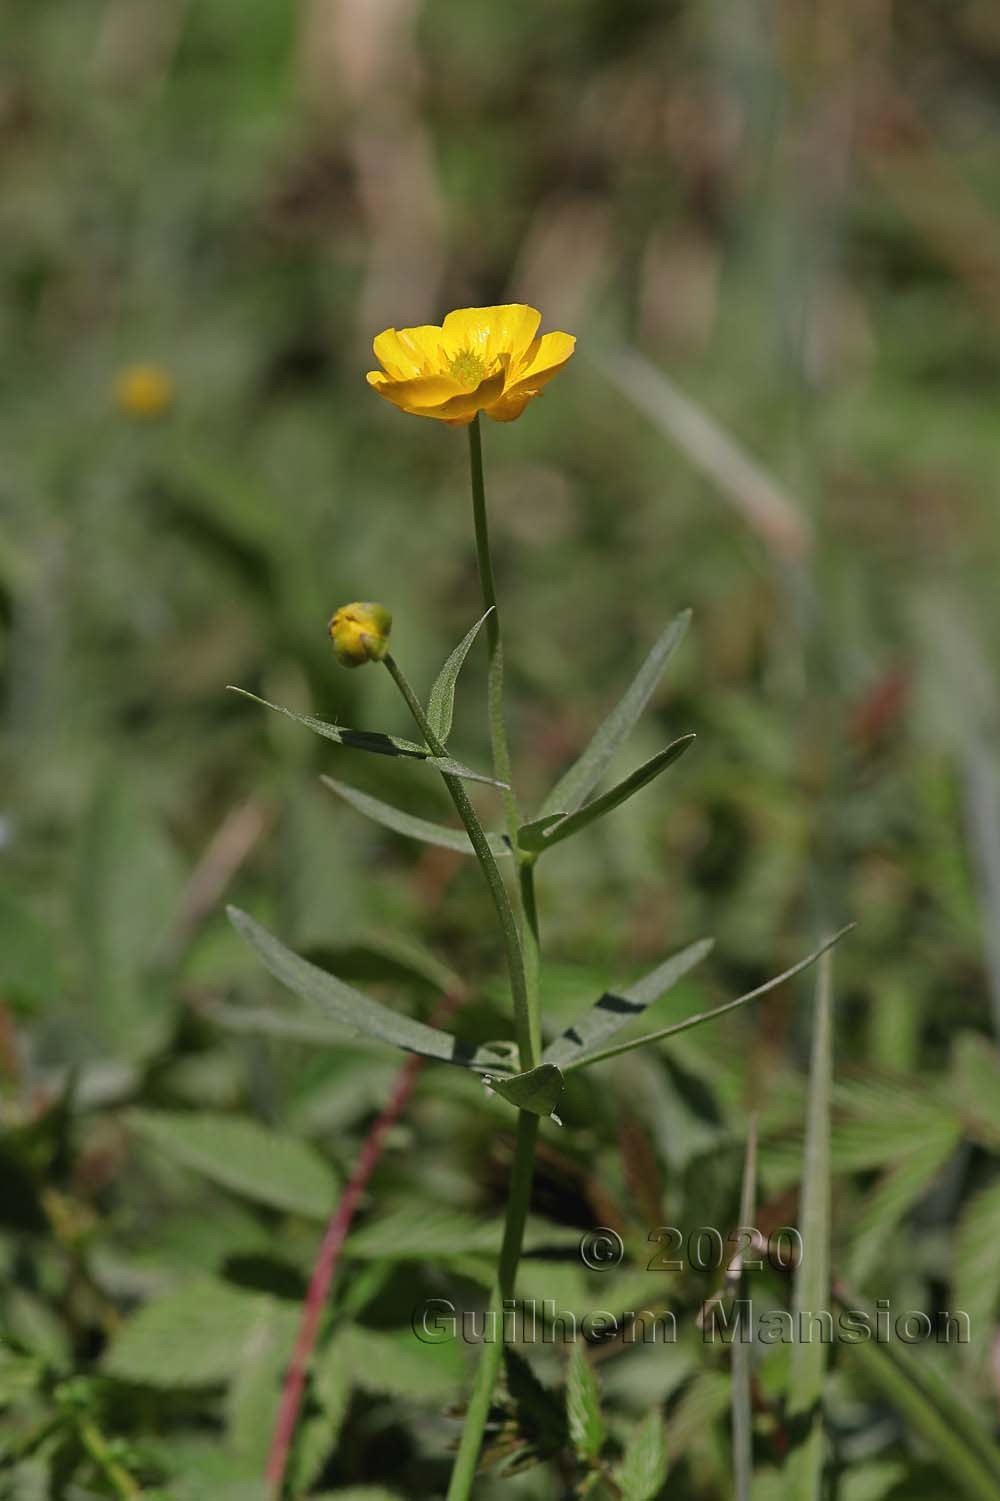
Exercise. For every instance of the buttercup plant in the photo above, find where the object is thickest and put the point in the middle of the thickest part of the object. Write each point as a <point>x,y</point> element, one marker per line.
<point>492,360</point>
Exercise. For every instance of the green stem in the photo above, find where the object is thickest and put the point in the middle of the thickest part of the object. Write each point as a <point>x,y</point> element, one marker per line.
<point>525,1027</point>
<point>531,949</point>
<point>96,1445</point>
<point>464,1472</point>
<point>494,690</point>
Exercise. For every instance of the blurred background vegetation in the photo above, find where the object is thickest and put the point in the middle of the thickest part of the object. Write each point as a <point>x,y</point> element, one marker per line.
<point>773,228</point>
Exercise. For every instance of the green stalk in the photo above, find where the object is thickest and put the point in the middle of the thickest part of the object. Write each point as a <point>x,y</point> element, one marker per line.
<point>494,688</point>
<point>525,1028</point>
<point>464,1472</point>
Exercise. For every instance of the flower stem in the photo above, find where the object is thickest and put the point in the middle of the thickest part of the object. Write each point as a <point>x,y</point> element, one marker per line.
<point>464,1471</point>
<point>494,690</point>
<point>525,1027</point>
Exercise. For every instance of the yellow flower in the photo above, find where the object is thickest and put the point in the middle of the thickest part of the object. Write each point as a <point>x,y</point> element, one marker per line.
<point>481,359</point>
<point>360,633</point>
<point>144,391</point>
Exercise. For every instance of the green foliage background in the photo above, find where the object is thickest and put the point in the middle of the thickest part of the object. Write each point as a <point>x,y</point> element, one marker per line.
<point>790,211</point>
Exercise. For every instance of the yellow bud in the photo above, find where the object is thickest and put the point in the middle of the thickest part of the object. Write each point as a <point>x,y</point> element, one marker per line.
<point>360,633</point>
<point>144,391</point>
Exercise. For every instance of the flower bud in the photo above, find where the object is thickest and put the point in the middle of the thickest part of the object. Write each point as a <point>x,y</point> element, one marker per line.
<point>360,633</point>
<point>144,391</point>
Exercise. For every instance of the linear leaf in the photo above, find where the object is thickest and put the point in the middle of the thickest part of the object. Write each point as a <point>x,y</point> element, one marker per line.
<point>243,1156</point>
<point>583,1407</point>
<point>547,831</point>
<point>927,1400</point>
<point>375,741</point>
<point>414,828</point>
<point>442,700</point>
<point>643,1469</point>
<point>614,1011</point>
<point>359,1013</point>
<point>812,1277</point>
<point>536,1091</point>
<point>583,776</point>
<point>582,1060</point>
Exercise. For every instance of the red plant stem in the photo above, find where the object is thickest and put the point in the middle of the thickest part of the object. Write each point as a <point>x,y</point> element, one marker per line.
<point>326,1265</point>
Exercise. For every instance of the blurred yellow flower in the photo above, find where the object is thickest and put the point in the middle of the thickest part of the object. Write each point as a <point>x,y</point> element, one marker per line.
<point>360,633</point>
<point>144,391</point>
<point>481,359</point>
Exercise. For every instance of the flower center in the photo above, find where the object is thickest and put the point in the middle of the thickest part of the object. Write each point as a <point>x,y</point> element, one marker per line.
<point>467,367</point>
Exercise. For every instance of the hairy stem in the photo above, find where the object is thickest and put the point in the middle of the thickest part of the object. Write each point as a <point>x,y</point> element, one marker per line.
<point>494,641</point>
<point>525,1029</point>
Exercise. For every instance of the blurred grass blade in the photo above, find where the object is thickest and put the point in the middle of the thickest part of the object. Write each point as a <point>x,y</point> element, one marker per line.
<point>542,833</point>
<point>375,741</point>
<point>740,1398</point>
<point>575,786</point>
<point>614,1011</point>
<point>811,1295</point>
<point>537,1091</point>
<point>581,1060</point>
<point>926,1399</point>
<point>441,704</point>
<point>405,823</point>
<point>358,1012</point>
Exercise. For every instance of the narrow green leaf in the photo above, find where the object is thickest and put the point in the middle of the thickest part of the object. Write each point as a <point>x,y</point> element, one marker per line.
<point>583,1407</point>
<point>537,1091</point>
<point>643,1470</point>
<point>927,1400</point>
<point>442,700</point>
<point>241,1155</point>
<point>375,741</point>
<point>579,781</point>
<point>977,1265</point>
<point>615,1010</point>
<point>544,832</point>
<point>812,1278</point>
<point>892,1198</point>
<point>414,828</point>
<point>704,1016</point>
<point>358,1012</point>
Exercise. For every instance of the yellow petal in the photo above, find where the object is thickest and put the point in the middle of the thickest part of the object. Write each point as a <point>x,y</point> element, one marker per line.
<point>542,361</point>
<point>414,395</point>
<point>492,331</point>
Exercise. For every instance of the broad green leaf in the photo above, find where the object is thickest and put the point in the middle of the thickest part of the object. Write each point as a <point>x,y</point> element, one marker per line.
<point>583,1406</point>
<point>375,741</point>
<point>927,1401</point>
<point>536,1091</point>
<point>199,1334</point>
<point>643,1470</point>
<point>442,700</point>
<point>812,1277</point>
<point>579,781</point>
<point>977,1265</point>
<point>355,1011</point>
<point>255,1394</point>
<point>395,1362</point>
<point>405,823</point>
<point>330,1388</point>
<point>544,832</point>
<point>245,1157</point>
<point>582,1060</point>
<point>408,1234</point>
<point>614,1011</point>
